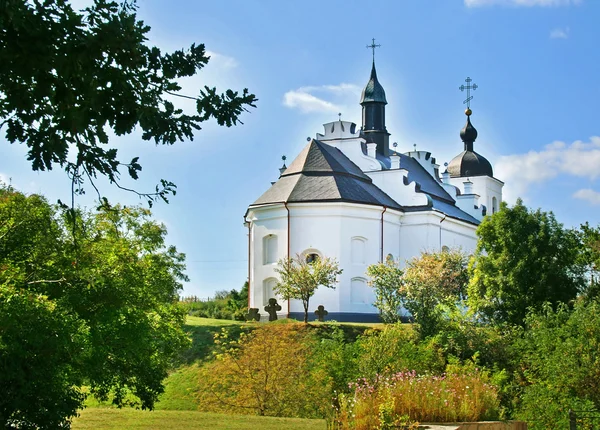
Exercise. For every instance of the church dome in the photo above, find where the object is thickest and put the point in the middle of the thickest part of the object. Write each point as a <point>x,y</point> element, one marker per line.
<point>373,92</point>
<point>469,162</point>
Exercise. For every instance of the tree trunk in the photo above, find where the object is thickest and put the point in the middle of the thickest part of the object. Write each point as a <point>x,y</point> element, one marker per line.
<point>305,303</point>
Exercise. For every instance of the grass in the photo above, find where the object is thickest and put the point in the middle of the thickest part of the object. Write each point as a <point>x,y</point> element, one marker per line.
<point>181,386</point>
<point>118,419</point>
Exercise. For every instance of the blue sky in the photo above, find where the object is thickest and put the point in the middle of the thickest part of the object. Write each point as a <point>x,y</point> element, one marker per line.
<point>536,63</point>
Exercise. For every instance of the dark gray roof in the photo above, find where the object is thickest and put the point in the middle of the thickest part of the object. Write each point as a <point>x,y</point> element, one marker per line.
<point>373,92</point>
<point>428,183</point>
<point>322,173</point>
<point>470,163</point>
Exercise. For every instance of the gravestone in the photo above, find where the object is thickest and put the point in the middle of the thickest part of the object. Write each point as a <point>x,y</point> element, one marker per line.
<point>272,309</point>
<point>253,315</point>
<point>321,313</point>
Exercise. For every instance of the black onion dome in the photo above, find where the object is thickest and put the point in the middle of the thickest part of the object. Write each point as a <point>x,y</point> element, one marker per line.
<point>469,162</point>
<point>468,132</point>
<point>373,92</point>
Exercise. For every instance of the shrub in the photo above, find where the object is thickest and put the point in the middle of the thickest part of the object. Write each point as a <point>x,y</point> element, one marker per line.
<point>269,371</point>
<point>394,349</point>
<point>561,364</point>
<point>407,397</point>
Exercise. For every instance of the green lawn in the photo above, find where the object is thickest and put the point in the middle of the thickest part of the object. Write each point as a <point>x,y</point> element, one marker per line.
<point>119,419</point>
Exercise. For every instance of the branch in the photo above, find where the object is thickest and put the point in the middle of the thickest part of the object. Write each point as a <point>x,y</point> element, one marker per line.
<point>47,281</point>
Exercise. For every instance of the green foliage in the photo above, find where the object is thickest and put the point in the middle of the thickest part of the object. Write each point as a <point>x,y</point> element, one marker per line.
<point>98,301</point>
<point>523,259</point>
<point>225,305</point>
<point>589,238</point>
<point>300,279</point>
<point>337,356</point>
<point>268,371</point>
<point>434,282</point>
<point>37,342</point>
<point>394,349</point>
<point>68,77</point>
<point>386,279</point>
<point>560,358</point>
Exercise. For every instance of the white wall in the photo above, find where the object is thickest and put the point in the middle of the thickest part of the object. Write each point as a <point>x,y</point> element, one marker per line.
<point>350,233</point>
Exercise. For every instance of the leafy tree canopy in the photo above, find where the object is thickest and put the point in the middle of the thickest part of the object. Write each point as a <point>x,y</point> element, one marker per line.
<point>69,77</point>
<point>433,282</point>
<point>96,309</point>
<point>299,278</point>
<point>560,364</point>
<point>388,283</point>
<point>523,259</point>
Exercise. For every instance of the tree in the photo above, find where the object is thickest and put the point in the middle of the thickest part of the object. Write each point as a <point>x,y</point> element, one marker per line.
<point>560,364</point>
<point>388,283</point>
<point>434,281</point>
<point>94,306</point>
<point>589,238</point>
<point>268,372</point>
<point>68,77</point>
<point>301,278</point>
<point>523,259</point>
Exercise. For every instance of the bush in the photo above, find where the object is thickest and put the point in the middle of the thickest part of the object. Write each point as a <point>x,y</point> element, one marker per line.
<point>394,349</point>
<point>269,371</point>
<point>406,397</point>
<point>561,364</point>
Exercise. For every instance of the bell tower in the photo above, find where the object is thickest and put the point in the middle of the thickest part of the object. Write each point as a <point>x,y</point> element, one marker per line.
<point>373,103</point>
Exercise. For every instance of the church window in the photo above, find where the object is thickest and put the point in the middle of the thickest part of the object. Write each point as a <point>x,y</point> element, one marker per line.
<point>359,291</point>
<point>494,205</point>
<point>311,255</point>
<point>268,287</point>
<point>358,250</point>
<point>270,249</point>
<point>311,258</point>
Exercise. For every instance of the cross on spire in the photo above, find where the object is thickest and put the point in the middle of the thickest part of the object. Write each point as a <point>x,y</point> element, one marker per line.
<point>373,46</point>
<point>468,87</point>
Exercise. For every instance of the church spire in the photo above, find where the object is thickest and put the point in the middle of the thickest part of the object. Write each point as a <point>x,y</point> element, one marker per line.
<point>373,103</point>
<point>469,163</point>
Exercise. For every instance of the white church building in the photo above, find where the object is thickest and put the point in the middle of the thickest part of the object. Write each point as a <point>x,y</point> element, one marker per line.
<point>351,197</point>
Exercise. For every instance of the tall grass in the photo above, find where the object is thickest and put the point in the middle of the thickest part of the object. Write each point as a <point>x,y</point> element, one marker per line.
<point>407,397</point>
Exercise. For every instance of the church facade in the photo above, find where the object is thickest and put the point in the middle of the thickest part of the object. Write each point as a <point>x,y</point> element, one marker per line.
<point>350,196</point>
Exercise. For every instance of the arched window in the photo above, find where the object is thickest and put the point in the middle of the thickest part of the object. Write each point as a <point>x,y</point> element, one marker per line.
<point>268,286</point>
<point>357,249</point>
<point>494,205</point>
<point>270,249</point>
<point>311,255</point>
<point>359,291</point>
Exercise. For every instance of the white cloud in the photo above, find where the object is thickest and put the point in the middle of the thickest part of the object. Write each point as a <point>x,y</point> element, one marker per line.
<point>304,99</point>
<point>220,61</point>
<point>521,3</point>
<point>560,33</point>
<point>520,171</point>
<point>588,195</point>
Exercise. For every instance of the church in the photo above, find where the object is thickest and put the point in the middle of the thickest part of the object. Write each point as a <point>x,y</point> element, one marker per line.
<point>348,195</point>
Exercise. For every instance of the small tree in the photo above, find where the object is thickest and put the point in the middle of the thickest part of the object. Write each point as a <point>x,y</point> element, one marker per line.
<point>268,372</point>
<point>301,276</point>
<point>386,279</point>
<point>434,281</point>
